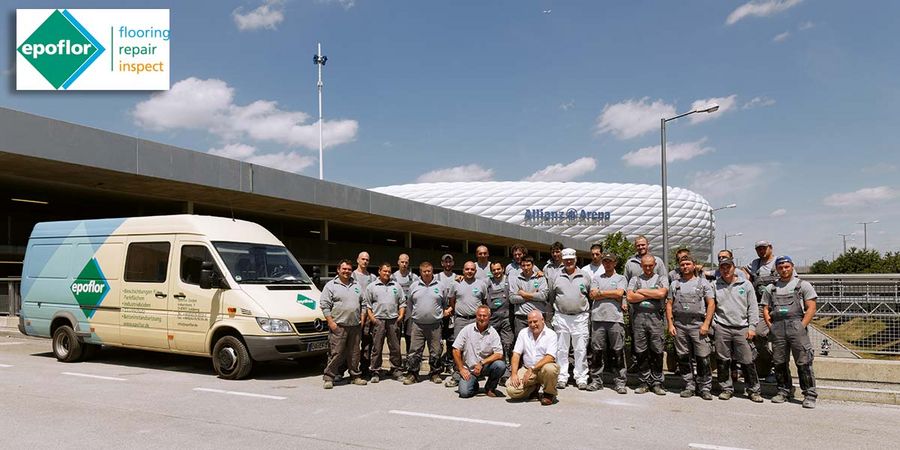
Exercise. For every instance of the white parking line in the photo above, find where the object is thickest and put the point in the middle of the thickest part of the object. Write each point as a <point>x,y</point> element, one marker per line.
<point>5,366</point>
<point>99,377</point>
<point>457,419</point>
<point>243,394</point>
<point>714,447</point>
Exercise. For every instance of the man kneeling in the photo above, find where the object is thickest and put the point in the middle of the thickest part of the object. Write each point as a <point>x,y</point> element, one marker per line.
<point>478,353</point>
<point>534,361</point>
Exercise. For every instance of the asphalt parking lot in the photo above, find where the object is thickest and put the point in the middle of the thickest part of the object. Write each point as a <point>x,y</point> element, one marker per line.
<point>137,399</point>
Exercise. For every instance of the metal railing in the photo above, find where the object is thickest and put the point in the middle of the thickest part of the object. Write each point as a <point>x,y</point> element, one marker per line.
<point>10,300</point>
<point>858,313</point>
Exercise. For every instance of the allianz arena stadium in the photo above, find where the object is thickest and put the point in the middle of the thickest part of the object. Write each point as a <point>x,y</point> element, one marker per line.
<point>588,211</point>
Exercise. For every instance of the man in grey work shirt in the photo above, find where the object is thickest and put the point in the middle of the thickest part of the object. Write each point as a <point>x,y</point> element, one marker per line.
<point>646,294</point>
<point>735,326</point>
<point>633,269</point>
<point>482,263</point>
<point>513,269</point>
<point>386,305</point>
<point>405,278</point>
<point>470,293</point>
<point>527,292</point>
<point>762,273</point>
<point>608,325</point>
<point>362,277</point>
<point>498,300</point>
<point>429,307</point>
<point>689,310</point>
<point>447,280</point>
<point>477,353</point>
<point>341,303</point>
<point>571,290</point>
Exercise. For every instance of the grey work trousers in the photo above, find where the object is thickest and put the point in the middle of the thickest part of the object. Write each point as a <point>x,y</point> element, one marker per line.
<point>422,334</point>
<point>732,346</point>
<point>344,351</point>
<point>649,329</point>
<point>690,344</point>
<point>381,330</point>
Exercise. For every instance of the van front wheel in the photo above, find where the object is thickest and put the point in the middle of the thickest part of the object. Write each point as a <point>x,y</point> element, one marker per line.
<point>231,358</point>
<point>66,346</point>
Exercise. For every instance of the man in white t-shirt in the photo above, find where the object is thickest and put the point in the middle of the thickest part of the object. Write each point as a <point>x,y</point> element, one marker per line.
<point>534,361</point>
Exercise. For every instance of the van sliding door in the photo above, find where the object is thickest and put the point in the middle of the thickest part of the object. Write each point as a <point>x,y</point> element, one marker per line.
<point>192,311</point>
<point>145,291</point>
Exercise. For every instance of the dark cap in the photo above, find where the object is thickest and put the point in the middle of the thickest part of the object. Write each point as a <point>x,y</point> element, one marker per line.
<point>608,256</point>
<point>784,259</point>
<point>726,260</point>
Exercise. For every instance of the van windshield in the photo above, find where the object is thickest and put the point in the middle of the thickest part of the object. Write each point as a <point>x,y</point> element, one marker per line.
<point>261,264</point>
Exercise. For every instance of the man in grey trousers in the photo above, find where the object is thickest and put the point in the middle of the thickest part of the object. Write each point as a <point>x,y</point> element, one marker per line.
<point>386,306</point>
<point>430,306</point>
<point>341,303</point>
<point>689,310</point>
<point>735,323</point>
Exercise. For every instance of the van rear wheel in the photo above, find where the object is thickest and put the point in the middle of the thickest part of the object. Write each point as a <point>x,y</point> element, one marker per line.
<point>66,345</point>
<point>231,359</point>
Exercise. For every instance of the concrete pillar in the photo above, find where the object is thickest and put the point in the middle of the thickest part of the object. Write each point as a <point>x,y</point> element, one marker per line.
<point>466,246</point>
<point>188,207</point>
<point>407,240</point>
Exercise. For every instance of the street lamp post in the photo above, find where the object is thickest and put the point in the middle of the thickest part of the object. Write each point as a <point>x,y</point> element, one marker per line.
<point>865,236</point>
<point>731,235</point>
<point>319,60</point>
<point>664,185</point>
<point>712,236</point>
<point>844,237</point>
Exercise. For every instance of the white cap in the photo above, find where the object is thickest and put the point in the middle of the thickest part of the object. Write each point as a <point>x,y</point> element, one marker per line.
<point>568,253</point>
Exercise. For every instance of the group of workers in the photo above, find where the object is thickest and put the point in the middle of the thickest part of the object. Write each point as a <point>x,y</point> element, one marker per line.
<point>515,324</point>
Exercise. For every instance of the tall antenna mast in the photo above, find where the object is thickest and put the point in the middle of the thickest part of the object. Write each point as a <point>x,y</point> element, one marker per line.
<point>319,60</point>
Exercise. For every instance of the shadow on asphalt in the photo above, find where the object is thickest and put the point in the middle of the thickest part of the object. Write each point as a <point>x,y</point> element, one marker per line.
<point>144,359</point>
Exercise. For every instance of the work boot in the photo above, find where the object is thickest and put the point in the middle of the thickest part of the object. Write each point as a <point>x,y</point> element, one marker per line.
<point>705,395</point>
<point>436,379</point>
<point>687,393</point>
<point>359,381</point>
<point>725,395</point>
<point>809,402</point>
<point>560,384</point>
<point>328,384</point>
<point>621,390</point>
<point>547,399</point>
<point>375,378</point>
<point>642,389</point>
<point>755,397</point>
<point>409,379</point>
<point>779,398</point>
<point>594,386</point>
<point>658,390</point>
<point>582,386</point>
<point>451,382</point>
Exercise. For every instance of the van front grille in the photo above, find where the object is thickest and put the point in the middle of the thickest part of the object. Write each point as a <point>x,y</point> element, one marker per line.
<point>316,326</point>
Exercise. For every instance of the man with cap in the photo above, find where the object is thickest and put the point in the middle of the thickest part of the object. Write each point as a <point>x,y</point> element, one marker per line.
<point>482,263</point>
<point>608,325</point>
<point>762,273</point>
<point>571,289</point>
<point>469,294</point>
<point>527,292</point>
<point>362,277</point>
<point>790,304</point>
<point>430,305</point>
<point>735,326</point>
<point>477,353</point>
<point>341,303</point>
<point>689,310</point>
<point>498,301</point>
<point>405,278</point>
<point>386,306</point>
<point>595,266</point>
<point>646,294</point>
<point>534,361</point>
<point>447,281</point>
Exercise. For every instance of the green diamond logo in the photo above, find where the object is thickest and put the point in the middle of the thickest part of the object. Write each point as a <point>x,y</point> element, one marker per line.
<point>60,49</point>
<point>306,301</point>
<point>90,288</point>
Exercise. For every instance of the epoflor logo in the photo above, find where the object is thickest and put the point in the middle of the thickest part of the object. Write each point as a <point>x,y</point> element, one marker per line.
<point>90,288</point>
<point>306,301</point>
<point>61,49</point>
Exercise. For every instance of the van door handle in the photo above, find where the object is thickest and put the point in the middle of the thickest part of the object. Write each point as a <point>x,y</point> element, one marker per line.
<point>161,294</point>
<point>179,296</point>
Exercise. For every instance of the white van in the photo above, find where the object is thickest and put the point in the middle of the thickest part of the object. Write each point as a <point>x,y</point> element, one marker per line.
<point>197,285</point>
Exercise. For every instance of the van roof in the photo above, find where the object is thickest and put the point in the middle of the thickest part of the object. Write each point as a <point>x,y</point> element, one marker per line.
<point>214,228</point>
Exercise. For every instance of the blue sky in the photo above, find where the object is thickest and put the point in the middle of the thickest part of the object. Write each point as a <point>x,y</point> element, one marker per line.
<point>502,90</point>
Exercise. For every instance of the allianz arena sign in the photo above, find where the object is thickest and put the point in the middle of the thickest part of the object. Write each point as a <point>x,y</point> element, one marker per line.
<point>571,216</point>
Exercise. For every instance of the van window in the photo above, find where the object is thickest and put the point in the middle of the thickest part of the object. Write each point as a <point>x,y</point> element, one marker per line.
<point>192,257</point>
<point>147,262</point>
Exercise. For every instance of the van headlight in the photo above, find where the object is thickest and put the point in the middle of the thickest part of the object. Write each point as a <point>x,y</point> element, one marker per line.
<point>274,325</point>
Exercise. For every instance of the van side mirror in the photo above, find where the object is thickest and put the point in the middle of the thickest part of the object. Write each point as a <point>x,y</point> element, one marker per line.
<point>207,275</point>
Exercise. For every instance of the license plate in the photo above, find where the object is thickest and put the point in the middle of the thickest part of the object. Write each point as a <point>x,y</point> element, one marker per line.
<point>316,346</point>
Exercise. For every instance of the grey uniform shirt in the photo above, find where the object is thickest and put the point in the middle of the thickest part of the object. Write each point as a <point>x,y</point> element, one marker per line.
<point>343,302</point>
<point>428,302</point>
<point>644,282</point>
<point>608,309</point>
<point>571,292</point>
<point>469,296</point>
<point>405,282</point>
<point>483,273</point>
<point>498,297</point>
<point>532,284</point>
<point>513,270</point>
<point>477,345</point>
<point>633,267</point>
<point>697,285</point>
<point>736,304</point>
<point>806,290</point>
<point>385,299</point>
<point>363,279</point>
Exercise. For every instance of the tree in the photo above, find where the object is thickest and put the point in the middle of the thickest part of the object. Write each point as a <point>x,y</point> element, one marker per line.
<point>859,261</point>
<point>620,246</point>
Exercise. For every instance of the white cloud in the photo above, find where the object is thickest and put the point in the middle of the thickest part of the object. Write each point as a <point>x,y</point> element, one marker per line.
<point>207,105</point>
<point>471,172</point>
<point>725,105</point>
<point>781,37</point>
<point>564,172</point>
<point>633,118</point>
<point>649,156</point>
<point>778,212</point>
<point>758,102</point>
<point>760,8</point>
<point>863,197</point>
<point>567,106</point>
<point>267,15</point>
<point>729,180</point>
<point>288,161</point>
<point>346,4</point>
<point>806,25</point>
